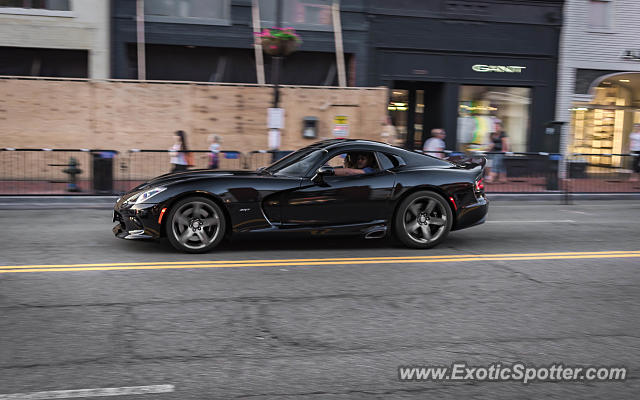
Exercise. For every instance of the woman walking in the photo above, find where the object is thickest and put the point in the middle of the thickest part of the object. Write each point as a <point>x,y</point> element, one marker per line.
<point>179,153</point>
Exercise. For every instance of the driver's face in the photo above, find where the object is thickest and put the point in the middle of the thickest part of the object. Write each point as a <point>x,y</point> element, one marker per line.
<point>363,161</point>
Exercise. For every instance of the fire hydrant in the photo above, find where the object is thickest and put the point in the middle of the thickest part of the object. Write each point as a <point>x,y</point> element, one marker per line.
<point>72,170</point>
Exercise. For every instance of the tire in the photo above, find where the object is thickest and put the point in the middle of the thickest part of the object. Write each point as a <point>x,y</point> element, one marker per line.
<point>423,220</point>
<point>195,225</point>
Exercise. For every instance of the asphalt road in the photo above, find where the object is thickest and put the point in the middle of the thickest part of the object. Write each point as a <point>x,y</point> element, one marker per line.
<point>322,329</point>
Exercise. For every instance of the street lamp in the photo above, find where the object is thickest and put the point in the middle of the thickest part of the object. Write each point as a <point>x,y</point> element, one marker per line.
<point>277,60</point>
<point>277,42</point>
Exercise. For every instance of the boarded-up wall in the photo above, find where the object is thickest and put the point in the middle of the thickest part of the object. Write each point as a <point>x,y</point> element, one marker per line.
<point>123,115</point>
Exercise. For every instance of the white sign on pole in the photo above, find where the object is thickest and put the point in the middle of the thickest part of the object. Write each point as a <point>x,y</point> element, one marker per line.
<point>274,139</point>
<point>275,118</point>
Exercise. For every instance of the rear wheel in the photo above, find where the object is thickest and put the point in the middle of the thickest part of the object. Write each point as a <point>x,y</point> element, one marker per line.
<point>195,225</point>
<point>423,220</point>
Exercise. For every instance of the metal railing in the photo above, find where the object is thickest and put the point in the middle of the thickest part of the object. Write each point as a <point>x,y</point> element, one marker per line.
<point>602,173</point>
<point>137,166</point>
<point>54,171</point>
<point>517,172</point>
<point>261,158</point>
<point>96,171</point>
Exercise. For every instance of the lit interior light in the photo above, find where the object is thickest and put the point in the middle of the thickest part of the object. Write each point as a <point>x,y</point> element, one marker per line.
<point>479,108</point>
<point>625,80</point>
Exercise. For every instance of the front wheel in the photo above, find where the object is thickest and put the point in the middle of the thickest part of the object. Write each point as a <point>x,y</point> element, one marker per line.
<point>195,225</point>
<point>423,220</point>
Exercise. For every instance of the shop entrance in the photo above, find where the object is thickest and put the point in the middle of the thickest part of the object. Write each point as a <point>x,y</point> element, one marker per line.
<point>601,127</point>
<point>415,109</point>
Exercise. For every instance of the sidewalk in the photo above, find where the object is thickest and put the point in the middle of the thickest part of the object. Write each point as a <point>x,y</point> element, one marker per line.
<point>56,202</point>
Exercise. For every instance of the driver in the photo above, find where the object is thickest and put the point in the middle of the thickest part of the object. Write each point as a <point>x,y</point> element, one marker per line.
<point>357,163</point>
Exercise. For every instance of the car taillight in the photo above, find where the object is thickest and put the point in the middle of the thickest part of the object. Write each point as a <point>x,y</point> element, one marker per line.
<point>479,186</point>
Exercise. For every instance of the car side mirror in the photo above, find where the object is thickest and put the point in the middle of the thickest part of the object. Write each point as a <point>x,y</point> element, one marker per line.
<point>326,170</point>
<point>323,171</point>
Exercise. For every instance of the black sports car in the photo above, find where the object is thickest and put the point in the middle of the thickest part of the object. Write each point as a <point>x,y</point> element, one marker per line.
<point>336,186</point>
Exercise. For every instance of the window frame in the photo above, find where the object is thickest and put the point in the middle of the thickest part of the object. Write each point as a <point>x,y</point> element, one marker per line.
<point>40,12</point>
<point>171,19</point>
<point>610,17</point>
<point>400,162</point>
<point>302,26</point>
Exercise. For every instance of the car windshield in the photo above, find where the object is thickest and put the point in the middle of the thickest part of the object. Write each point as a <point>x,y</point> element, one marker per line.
<point>298,163</point>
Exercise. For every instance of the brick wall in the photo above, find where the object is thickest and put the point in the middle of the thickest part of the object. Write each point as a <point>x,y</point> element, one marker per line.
<point>124,115</point>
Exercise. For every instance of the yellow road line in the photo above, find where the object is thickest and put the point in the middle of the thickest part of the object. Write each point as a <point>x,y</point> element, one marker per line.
<point>633,254</point>
<point>306,260</point>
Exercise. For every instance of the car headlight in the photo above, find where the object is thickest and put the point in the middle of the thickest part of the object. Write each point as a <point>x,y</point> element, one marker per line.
<point>146,195</point>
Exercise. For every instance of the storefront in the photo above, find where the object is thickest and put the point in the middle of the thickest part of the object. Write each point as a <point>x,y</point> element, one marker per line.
<point>468,95</point>
<point>463,65</point>
<point>601,126</point>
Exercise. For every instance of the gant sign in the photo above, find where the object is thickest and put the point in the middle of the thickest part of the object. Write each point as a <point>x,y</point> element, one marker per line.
<point>513,69</point>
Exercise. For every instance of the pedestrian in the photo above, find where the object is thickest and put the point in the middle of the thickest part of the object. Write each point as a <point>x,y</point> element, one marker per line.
<point>214,151</point>
<point>634,148</point>
<point>179,153</point>
<point>434,146</point>
<point>499,145</point>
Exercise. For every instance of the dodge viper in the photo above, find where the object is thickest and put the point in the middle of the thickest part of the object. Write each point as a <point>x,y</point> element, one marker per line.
<point>338,186</point>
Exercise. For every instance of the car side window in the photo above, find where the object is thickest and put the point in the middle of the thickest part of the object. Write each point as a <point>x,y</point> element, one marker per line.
<point>390,161</point>
<point>354,162</point>
<point>336,161</point>
<point>385,161</point>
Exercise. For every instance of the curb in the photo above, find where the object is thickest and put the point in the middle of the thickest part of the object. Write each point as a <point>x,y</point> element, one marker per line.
<point>57,202</point>
<point>561,196</point>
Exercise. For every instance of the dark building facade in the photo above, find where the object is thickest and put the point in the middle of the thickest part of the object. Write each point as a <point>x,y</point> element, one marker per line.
<point>465,65</point>
<point>460,65</point>
<point>219,47</point>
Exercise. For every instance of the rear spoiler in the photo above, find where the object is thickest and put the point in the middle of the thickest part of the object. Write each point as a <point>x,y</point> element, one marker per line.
<point>468,162</point>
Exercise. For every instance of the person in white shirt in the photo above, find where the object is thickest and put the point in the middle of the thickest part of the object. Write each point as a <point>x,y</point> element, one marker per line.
<point>434,146</point>
<point>634,148</point>
<point>214,149</point>
<point>178,152</point>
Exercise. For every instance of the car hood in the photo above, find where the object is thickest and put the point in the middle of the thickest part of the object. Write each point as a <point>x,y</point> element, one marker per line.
<point>170,178</point>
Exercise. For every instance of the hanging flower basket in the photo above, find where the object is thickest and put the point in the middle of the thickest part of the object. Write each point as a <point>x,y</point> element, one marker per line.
<point>279,42</point>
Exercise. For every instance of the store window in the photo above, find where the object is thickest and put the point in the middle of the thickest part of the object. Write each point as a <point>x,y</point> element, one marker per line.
<point>54,5</point>
<point>600,14</point>
<point>188,11</point>
<point>300,14</point>
<point>398,108</point>
<point>600,128</point>
<point>480,107</point>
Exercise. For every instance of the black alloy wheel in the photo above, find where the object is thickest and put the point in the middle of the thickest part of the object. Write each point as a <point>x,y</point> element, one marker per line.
<point>195,225</point>
<point>423,220</point>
